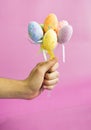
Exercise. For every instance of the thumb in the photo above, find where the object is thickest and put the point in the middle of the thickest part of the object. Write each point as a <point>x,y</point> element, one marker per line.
<point>48,64</point>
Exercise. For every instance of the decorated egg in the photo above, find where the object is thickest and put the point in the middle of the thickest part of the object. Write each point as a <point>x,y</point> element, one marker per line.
<point>49,40</point>
<point>65,34</point>
<point>51,22</point>
<point>62,23</point>
<point>35,31</point>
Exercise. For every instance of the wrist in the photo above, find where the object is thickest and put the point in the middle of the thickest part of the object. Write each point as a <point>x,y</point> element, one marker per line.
<point>28,93</point>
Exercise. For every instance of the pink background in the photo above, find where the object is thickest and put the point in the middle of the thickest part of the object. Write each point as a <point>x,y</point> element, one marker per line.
<point>69,107</point>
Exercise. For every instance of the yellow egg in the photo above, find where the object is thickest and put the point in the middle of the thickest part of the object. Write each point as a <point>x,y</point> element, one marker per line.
<point>51,21</point>
<point>49,42</point>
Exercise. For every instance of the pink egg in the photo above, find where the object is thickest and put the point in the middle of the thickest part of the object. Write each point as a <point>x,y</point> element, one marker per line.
<point>65,34</point>
<point>62,23</point>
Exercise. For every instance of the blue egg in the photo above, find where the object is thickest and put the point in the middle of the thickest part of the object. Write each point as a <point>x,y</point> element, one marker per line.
<point>35,31</point>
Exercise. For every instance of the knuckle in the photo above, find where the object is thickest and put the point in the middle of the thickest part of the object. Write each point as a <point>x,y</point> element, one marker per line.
<point>38,65</point>
<point>38,70</point>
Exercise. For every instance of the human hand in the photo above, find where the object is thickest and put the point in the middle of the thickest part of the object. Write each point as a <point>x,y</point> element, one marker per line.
<point>43,76</point>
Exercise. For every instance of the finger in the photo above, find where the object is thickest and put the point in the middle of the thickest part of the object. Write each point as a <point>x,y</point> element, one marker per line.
<point>49,87</point>
<point>48,64</point>
<point>52,75</point>
<point>54,68</point>
<point>50,82</point>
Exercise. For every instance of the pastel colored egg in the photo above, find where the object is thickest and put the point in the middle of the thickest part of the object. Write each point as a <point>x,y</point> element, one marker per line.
<point>65,34</point>
<point>35,31</point>
<point>49,40</point>
<point>51,21</point>
<point>62,23</point>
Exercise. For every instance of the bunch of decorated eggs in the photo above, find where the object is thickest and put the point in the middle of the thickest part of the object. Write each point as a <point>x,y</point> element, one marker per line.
<point>50,33</point>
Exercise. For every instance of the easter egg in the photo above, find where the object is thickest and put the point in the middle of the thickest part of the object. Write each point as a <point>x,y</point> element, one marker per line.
<point>35,31</point>
<point>49,40</point>
<point>51,22</point>
<point>65,34</point>
<point>62,23</point>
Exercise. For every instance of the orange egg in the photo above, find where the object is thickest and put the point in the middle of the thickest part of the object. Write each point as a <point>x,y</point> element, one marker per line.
<point>51,22</point>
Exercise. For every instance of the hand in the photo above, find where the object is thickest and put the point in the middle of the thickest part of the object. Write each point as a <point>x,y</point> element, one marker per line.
<point>43,76</point>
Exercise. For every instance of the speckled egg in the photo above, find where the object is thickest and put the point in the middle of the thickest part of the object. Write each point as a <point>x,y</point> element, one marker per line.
<point>65,34</point>
<point>35,31</point>
<point>49,40</point>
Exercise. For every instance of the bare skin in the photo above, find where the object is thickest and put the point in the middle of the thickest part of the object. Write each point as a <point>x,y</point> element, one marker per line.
<point>43,76</point>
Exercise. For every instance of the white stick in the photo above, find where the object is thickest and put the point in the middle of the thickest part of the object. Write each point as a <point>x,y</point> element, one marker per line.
<point>44,54</point>
<point>63,52</point>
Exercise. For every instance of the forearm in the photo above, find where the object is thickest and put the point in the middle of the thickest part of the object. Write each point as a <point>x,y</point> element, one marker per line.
<point>13,89</point>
